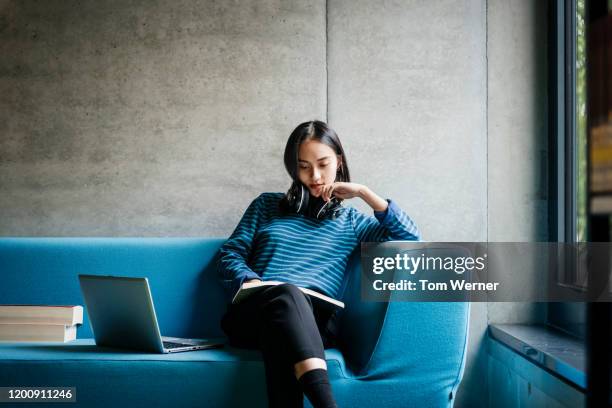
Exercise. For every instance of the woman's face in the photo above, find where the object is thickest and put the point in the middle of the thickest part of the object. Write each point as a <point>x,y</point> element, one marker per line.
<point>317,165</point>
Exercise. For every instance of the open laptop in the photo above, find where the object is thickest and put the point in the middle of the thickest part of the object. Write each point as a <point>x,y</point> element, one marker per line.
<point>121,314</point>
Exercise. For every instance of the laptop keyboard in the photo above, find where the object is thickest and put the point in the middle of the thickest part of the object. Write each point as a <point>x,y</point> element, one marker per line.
<point>169,345</point>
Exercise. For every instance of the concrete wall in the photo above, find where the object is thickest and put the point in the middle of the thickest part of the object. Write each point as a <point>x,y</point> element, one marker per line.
<point>167,118</point>
<point>150,119</point>
<point>517,150</point>
<point>409,100</point>
<point>517,134</point>
<point>517,49</point>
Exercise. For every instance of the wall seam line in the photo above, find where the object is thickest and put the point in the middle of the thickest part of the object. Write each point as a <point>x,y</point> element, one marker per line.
<point>487,110</point>
<point>326,61</point>
<point>488,319</point>
<point>487,136</point>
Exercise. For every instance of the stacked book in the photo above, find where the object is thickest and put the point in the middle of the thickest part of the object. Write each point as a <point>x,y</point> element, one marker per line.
<point>24,323</point>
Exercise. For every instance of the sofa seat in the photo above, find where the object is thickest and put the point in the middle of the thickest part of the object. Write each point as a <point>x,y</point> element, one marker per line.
<point>86,349</point>
<point>143,379</point>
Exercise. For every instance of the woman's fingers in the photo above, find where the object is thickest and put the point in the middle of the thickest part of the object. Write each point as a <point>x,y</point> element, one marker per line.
<point>323,191</point>
<point>328,192</point>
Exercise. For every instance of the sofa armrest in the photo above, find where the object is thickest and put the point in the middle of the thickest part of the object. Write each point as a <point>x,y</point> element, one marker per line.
<point>360,323</point>
<point>418,343</point>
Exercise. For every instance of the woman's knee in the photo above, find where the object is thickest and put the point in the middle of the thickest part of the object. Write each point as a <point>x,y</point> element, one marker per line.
<point>290,288</point>
<point>290,294</point>
<point>288,298</point>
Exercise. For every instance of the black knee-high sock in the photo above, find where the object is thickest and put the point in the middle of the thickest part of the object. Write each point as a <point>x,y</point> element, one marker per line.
<point>315,384</point>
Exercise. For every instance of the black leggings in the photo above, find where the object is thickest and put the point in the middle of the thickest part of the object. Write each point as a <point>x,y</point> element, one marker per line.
<point>282,323</point>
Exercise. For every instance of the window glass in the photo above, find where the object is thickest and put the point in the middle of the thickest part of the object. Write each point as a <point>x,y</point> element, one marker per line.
<point>581,125</point>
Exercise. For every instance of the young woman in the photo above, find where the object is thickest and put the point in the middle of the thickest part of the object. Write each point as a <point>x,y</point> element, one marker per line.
<point>303,238</point>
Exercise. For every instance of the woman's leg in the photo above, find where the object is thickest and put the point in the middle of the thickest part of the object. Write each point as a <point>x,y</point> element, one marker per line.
<point>282,317</point>
<point>303,366</point>
<point>290,317</point>
<point>287,317</point>
<point>245,326</point>
<point>282,387</point>
<point>327,324</point>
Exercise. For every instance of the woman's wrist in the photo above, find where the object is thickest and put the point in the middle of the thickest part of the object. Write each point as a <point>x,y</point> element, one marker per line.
<point>372,199</point>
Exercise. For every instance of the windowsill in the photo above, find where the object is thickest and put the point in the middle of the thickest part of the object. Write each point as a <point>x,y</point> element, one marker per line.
<point>559,353</point>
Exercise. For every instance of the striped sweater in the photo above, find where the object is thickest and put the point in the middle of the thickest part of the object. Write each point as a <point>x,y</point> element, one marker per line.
<point>304,251</point>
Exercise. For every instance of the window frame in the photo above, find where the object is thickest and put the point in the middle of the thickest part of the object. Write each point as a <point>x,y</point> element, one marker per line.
<point>563,166</point>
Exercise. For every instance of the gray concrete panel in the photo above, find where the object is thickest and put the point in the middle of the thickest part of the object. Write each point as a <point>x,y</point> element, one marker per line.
<point>407,94</point>
<point>517,135</point>
<point>517,121</point>
<point>150,118</point>
<point>408,99</point>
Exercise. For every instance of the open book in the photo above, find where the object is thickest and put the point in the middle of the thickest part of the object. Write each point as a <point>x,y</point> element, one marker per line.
<point>248,288</point>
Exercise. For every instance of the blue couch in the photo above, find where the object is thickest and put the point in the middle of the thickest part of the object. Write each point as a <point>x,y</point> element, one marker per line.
<point>396,354</point>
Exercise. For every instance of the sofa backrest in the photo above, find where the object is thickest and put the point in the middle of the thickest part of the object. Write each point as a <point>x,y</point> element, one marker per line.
<point>188,299</point>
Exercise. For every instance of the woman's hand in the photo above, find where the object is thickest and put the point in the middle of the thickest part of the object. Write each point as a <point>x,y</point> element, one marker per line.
<point>341,190</point>
<point>344,190</point>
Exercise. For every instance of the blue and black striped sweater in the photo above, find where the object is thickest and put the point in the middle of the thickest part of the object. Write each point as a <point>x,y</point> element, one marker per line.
<point>304,251</point>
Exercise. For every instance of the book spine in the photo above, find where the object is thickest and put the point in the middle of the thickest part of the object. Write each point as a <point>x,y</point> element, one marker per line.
<point>36,332</point>
<point>39,320</point>
<point>40,315</point>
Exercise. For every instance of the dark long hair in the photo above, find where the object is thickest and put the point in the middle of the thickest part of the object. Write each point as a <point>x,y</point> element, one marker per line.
<point>321,132</point>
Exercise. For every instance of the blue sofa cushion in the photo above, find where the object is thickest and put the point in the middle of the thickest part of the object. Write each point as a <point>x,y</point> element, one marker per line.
<point>106,376</point>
